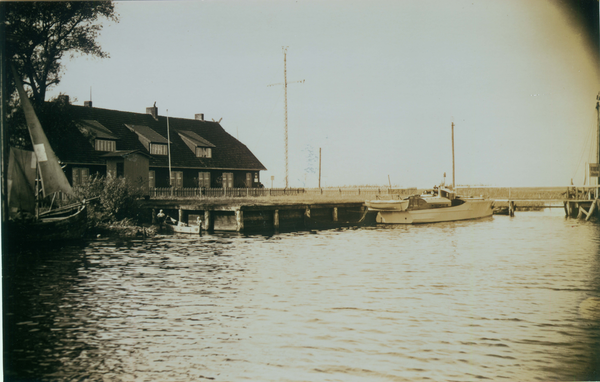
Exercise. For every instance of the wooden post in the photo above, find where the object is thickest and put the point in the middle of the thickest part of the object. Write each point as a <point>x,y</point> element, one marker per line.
<point>566,204</point>
<point>335,214</point>
<point>180,215</point>
<point>207,220</point>
<point>319,167</point>
<point>276,220</point>
<point>239,219</point>
<point>581,211</point>
<point>592,209</point>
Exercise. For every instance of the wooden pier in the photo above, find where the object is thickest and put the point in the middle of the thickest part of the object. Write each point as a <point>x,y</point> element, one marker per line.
<point>582,202</point>
<point>261,217</point>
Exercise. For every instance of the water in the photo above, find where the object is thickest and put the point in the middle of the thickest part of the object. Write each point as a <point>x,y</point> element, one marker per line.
<point>501,298</point>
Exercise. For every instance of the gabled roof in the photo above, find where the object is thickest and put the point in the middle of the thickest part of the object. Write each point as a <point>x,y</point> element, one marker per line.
<point>196,139</point>
<point>94,128</point>
<point>124,153</point>
<point>227,152</point>
<point>147,133</point>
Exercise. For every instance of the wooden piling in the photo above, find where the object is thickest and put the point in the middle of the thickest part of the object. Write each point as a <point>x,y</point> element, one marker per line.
<point>207,221</point>
<point>276,220</point>
<point>581,211</point>
<point>180,215</point>
<point>592,209</point>
<point>239,219</point>
<point>335,214</point>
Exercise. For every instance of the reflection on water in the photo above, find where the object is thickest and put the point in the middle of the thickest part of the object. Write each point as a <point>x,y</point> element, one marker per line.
<point>501,298</point>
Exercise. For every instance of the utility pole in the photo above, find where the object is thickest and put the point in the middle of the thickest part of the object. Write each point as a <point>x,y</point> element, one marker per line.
<point>453,182</point>
<point>285,84</point>
<point>319,167</point>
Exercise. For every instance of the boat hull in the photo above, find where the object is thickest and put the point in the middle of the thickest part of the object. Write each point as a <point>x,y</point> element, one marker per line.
<point>192,229</point>
<point>387,205</point>
<point>69,225</point>
<point>471,209</point>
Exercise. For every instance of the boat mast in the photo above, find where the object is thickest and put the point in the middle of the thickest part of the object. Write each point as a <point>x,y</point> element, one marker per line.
<point>598,146</point>
<point>169,152</point>
<point>453,174</point>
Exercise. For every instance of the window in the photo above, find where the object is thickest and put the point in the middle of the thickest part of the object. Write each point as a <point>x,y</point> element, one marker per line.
<point>105,145</point>
<point>151,179</point>
<point>203,152</point>
<point>204,179</point>
<point>158,149</point>
<point>177,179</point>
<point>227,180</point>
<point>120,169</point>
<point>248,179</point>
<point>80,176</point>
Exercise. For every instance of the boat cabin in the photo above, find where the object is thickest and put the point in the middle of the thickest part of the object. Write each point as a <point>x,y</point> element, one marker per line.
<point>438,197</point>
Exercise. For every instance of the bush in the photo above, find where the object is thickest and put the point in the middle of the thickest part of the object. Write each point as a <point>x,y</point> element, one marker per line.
<point>111,199</point>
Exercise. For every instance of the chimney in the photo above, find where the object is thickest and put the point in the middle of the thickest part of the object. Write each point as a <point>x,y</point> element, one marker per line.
<point>87,103</point>
<point>199,116</point>
<point>153,111</point>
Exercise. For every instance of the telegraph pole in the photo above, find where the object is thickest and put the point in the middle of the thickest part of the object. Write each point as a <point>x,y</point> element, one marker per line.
<point>453,174</point>
<point>285,84</point>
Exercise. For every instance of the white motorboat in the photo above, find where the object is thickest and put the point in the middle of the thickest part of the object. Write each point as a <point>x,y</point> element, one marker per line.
<point>433,206</point>
<point>440,204</point>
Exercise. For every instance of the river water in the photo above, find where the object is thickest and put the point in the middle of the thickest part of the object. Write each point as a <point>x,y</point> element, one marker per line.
<point>501,298</point>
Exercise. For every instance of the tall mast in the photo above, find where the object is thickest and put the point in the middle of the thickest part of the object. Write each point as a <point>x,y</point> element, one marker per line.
<point>286,118</point>
<point>453,174</point>
<point>285,84</point>
<point>169,151</point>
<point>598,146</point>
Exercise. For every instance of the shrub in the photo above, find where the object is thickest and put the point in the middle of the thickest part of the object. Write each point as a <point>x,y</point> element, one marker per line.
<point>111,199</point>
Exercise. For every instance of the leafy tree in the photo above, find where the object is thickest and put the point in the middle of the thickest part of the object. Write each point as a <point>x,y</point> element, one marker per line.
<point>39,34</point>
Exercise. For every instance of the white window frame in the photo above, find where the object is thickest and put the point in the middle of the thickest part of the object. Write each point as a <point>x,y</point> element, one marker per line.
<point>159,149</point>
<point>177,179</point>
<point>105,145</point>
<point>80,176</point>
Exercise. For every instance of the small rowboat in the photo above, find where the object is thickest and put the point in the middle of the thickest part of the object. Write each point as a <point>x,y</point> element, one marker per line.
<point>179,228</point>
<point>387,205</point>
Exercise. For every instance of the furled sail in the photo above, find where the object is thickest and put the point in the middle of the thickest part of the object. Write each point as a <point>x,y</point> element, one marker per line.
<point>53,178</point>
<point>21,181</point>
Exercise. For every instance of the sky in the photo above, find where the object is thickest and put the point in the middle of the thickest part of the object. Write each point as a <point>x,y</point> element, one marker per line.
<point>383,82</point>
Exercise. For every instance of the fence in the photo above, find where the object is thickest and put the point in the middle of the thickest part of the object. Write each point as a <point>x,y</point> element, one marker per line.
<point>222,192</point>
<point>369,192</point>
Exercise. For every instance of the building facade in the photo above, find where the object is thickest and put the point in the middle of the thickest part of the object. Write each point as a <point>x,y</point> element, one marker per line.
<point>180,153</point>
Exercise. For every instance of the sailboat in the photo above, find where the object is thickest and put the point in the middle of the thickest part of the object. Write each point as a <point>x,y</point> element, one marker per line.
<point>440,204</point>
<point>32,174</point>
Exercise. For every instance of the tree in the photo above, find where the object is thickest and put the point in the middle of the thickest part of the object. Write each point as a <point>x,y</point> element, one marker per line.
<point>39,34</point>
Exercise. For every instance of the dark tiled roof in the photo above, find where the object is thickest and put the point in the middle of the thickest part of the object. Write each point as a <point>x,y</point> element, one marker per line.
<point>124,153</point>
<point>148,133</point>
<point>95,128</point>
<point>227,152</point>
<point>196,139</point>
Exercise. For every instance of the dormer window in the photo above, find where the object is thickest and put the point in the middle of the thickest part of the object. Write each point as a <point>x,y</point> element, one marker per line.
<point>203,152</point>
<point>155,143</point>
<point>158,149</point>
<point>105,145</point>
<point>200,146</point>
<point>101,138</point>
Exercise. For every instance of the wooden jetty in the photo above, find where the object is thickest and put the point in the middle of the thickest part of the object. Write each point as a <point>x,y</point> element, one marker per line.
<point>261,217</point>
<point>581,202</point>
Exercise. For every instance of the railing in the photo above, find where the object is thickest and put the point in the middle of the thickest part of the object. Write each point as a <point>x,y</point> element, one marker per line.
<point>369,192</point>
<point>583,192</point>
<point>222,192</point>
